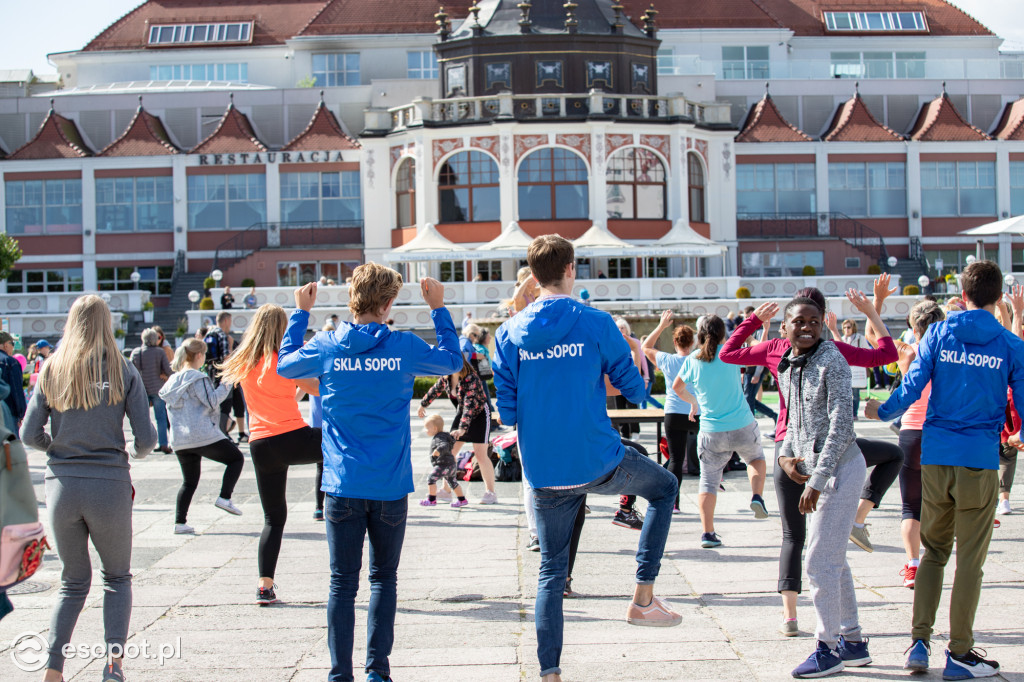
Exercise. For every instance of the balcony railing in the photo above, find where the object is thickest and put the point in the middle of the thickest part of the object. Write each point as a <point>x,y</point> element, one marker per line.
<point>1006,67</point>
<point>832,225</point>
<point>333,233</point>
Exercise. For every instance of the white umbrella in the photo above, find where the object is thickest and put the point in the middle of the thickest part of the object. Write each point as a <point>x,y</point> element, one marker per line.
<point>511,243</point>
<point>1008,226</point>
<point>429,245</point>
<point>597,241</point>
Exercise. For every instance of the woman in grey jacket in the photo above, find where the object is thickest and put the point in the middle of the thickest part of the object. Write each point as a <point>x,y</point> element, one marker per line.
<point>151,361</point>
<point>194,406</point>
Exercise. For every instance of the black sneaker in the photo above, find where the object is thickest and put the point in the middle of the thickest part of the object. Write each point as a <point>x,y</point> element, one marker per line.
<point>243,438</point>
<point>265,596</point>
<point>629,519</point>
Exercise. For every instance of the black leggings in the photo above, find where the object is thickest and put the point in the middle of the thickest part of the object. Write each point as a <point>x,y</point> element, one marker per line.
<point>910,473</point>
<point>190,460</point>
<point>271,458</point>
<point>680,433</point>
<point>577,531</point>
<point>319,482</point>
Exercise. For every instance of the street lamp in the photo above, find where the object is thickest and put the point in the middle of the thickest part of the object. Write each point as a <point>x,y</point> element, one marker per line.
<point>135,277</point>
<point>892,261</point>
<point>923,281</point>
<point>106,297</point>
<point>194,297</point>
<point>1009,280</point>
<point>971,259</point>
<point>217,276</point>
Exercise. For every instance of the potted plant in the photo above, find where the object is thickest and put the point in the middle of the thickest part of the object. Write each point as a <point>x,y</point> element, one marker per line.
<point>743,292</point>
<point>147,312</point>
<point>206,304</point>
<point>120,334</point>
<point>181,332</point>
<point>951,282</point>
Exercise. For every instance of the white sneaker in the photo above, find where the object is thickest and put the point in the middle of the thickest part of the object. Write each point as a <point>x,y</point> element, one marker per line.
<point>228,506</point>
<point>444,495</point>
<point>1003,508</point>
<point>184,529</point>
<point>489,498</point>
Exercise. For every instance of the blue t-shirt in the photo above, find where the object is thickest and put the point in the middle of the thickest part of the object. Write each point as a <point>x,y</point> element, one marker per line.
<point>670,364</point>
<point>716,385</point>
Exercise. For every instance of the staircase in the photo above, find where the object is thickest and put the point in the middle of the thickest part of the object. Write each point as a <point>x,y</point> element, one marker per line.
<point>834,225</point>
<point>168,317</point>
<point>910,269</point>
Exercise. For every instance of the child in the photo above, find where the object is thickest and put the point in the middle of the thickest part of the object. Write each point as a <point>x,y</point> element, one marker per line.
<point>726,424</point>
<point>815,381</point>
<point>443,460</point>
<point>959,459</point>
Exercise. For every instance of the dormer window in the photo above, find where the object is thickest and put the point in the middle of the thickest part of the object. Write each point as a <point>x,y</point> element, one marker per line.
<point>190,34</point>
<point>870,22</point>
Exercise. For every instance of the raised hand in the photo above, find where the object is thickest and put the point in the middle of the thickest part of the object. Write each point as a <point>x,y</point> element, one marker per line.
<point>881,287</point>
<point>859,300</point>
<point>666,318</point>
<point>830,324</point>
<point>305,297</point>
<point>1016,297</point>
<point>766,311</point>
<point>433,292</point>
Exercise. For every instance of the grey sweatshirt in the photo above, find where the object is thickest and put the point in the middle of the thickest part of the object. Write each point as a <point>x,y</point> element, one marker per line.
<point>91,443</point>
<point>193,405</point>
<point>151,361</point>
<point>820,401</point>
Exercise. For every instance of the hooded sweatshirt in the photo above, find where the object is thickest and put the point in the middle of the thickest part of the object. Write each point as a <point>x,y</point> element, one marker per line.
<point>193,405</point>
<point>366,374</point>
<point>970,360</point>
<point>555,354</point>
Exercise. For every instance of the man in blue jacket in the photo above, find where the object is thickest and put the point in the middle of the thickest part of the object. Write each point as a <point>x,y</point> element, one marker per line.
<point>10,371</point>
<point>366,377</point>
<point>549,368</point>
<point>969,360</point>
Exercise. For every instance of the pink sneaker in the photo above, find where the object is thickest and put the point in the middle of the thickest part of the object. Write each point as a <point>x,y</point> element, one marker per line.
<point>657,614</point>
<point>460,503</point>
<point>428,503</point>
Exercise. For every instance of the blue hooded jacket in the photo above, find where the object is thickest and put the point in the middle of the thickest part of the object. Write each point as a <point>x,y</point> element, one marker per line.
<point>970,358</point>
<point>366,377</point>
<point>549,366</point>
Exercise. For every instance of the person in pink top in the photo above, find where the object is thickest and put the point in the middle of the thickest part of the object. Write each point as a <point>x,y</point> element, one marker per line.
<point>789,482</point>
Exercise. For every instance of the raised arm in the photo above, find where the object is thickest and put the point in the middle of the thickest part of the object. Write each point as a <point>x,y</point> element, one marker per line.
<point>915,379</point>
<point>295,360</point>
<point>876,328</point>
<point>830,324</point>
<point>1017,303</point>
<point>650,344</point>
<point>735,353</point>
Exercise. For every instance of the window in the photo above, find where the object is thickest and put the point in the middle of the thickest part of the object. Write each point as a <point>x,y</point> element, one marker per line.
<point>421,64</point>
<point>666,62</point>
<point>961,188</point>
<point>553,186</point>
<point>635,185</point>
<point>340,68</point>
<point>876,21</point>
<point>134,204</point>
<point>290,274</point>
<point>164,34</point>
<point>878,64</point>
<point>320,197</point>
<point>453,271</point>
<point>781,263</point>
<point>44,207</point>
<point>853,263</point>
<point>863,190</point>
<point>620,268</point>
<point>468,188</point>
<point>216,202</point>
<point>772,189</point>
<point>1017,187</point>
<point>745,63</point>
<point>39,281</point>
<point>696,185</point>
<point>405,193</point>
<point>154,279</point>
<point>236,73</point>
<point>657,267</point>
<point>488,270</point>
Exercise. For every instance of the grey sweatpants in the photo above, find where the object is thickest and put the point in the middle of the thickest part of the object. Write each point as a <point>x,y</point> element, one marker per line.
<point>832,591</point>
<point>99,509</point>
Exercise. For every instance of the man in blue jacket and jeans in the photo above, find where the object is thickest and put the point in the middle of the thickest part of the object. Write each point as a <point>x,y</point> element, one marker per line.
<point>969,360</point>
<point>549,370</point>
<point>366,374</point>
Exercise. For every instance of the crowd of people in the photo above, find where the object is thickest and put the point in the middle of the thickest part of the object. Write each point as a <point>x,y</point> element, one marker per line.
<point>557,365</point>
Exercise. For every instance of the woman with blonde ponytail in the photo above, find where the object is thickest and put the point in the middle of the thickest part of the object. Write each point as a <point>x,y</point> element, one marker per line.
<point>85,391</point>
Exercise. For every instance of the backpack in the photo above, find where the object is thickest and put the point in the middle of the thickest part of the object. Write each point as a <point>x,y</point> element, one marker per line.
<point>22,537</point>
<point>508,469</point>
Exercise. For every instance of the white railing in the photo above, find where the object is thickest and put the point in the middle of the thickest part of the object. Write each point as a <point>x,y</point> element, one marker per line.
<point>60,302</point>
<point>1005,67</point>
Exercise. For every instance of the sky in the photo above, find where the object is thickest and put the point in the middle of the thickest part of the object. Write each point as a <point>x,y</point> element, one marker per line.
<point>34,30</point>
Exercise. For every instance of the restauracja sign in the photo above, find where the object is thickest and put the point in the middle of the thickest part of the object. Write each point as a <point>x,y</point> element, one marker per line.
<point>268,157</point>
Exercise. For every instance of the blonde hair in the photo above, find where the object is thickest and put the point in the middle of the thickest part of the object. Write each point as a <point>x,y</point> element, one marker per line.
<point>259,345</point>
<point>472,330</point>
<point>73,377</point>
<point>434,419</point>
<point>373,287</point>
<point>523,273</point>
<point>186,353</point>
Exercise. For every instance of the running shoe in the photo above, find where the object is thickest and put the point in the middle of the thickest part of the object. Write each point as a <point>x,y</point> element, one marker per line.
<point>266,596</point>
<point>318,514</point>
<point>658,614</point>
<point>677,510</point>
<point>917,658</point>
<point>996,523</point>
<point>567,593</point>
<point>228,506</point>
<point>860,537</point>
<point>629,519</point>
<point>112,672</point>
<point>822,663</point>
<point>243,438</point>
<point>374,676</point>
<point>757,506</point>
<point>789,628</point>
<point>1003,508</point>
<point>444,495</point>
<point>710,540</point>
<point>969,666</point>
<point>489,498</point>
<point>427,502</point>
<point>909,575</point>
<point>534,545</point>
<point>184,529</point>
<point>166,450</point>
<point>459,503</point>
<point>854,654</point>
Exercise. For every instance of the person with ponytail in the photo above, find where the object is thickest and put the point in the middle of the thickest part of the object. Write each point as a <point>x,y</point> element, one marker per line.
<point>85,390</point>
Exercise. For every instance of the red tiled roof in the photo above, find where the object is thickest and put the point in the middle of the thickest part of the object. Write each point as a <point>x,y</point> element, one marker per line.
<point>234,134</point>
<point>274,21</point>
<point>322,134</point>
<point>853,122</point>
<point>765,124</point>
<point>804,17</point>
<point>341,17</point>
<point>144,136</point>
<point>939,121</point>
<point>57,138</point>
<point>1011,123</point>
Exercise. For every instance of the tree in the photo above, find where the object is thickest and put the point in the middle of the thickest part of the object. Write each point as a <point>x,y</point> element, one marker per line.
<point>10,253</point>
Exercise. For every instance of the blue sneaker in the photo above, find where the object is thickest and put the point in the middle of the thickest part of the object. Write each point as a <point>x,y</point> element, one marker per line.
<point>709,540</point>
<point>821,663</point>
<point>374,676</point>
<point>854,654</point>
<point>757,506</point>
<point>917,658</point>
<point>968,667</point>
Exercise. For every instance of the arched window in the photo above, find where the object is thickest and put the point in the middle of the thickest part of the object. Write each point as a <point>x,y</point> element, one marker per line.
<point>468,188</point>
<point>405,194</point>
<point>636,185</point>
<point>695,180</point>
<point>553,186</point>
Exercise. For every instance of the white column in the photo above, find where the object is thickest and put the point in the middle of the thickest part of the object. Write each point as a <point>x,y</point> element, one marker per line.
<point>914,201</point>
<point>273,180</point>
<point>821,186</point>
<point>1003,206</point>
<point>179,182</point>
<point>378,199</point>
<point>507,180</point>
<point>427,209</point>
<point>598,180</point>
<point>678,207</point>
<point>89,279</point>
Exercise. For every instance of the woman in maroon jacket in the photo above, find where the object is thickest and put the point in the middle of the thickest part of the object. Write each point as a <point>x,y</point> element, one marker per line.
<point>887,458</point>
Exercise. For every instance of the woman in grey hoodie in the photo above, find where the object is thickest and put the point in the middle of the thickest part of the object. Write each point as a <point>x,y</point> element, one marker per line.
<point>193,404</point>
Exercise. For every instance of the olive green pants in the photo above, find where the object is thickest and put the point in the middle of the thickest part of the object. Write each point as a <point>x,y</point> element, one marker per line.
<point>960,503</point>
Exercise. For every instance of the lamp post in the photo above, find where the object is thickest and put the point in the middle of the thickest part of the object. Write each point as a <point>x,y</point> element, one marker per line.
<point>135,277</point>
<point>217,276</point>
<point>923,281</point>
<point>971,259</point>
<point>193,296</point>
<point>891,262</point>
<point>1009,280</point>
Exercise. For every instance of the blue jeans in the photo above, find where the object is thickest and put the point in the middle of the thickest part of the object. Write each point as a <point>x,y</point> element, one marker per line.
<point>160,414</point>
<point>556,512</point>
<point>349,520</point>
<point>750,390</point>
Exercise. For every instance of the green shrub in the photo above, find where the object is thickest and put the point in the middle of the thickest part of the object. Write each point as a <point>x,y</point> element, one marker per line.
<point>743,292</point>
<point>911,290</point>
<point>209,283</point>
<point>148,305</point>
<point>951,278</point>
<point>809,271</point>
<point>206,304</point>
<point>248,282</point>
<point>659,382</point>
<point>873,269</point>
